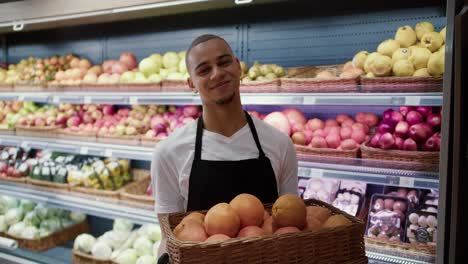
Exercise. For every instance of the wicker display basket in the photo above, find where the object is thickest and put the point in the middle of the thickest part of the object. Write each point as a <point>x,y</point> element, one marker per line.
<point>114,195</point>
<point>401,84</point>
<point>6,87</point>
<point>304,81</point>
<point>54,239</point>
<point>327,152</point>
<point>136,192</point>
<point>14,179</point>
<point>82,258</point>
<point>149,142</point>
<point>411,160</point>
<point>29,87</point>
<point>140,87</point>
<point>80,136</point>
<point>7,131</point>
<point>48,184</point>
<point>120,140</point>
<point>271,86</point>
<point>344,244</point>
<point>175,86</point>
<point>29,131</point>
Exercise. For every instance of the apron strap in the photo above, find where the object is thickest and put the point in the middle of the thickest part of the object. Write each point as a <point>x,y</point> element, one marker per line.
<point>255,135</point>
<point>199,136</point>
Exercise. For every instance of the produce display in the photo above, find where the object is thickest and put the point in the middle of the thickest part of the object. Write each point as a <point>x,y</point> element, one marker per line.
<point>422,228</point>
<point>321,189</point>
<point>123,244</point>
<point>261,72</point>
<point>245,216</point>
<point>350,196</point>
<point>409,129</point>
<point>15,162</point>
<point>9,113</point>
<point>26,219</point>
<point>418,52</point>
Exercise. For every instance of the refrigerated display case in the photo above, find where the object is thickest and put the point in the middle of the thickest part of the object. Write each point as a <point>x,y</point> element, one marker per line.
<point>288,33</point>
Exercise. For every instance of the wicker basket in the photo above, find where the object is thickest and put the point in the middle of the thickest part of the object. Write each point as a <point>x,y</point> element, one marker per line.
<point>401,246</point>
<point>411,160</point>
<point>29,131</point>
<point>271,86</point>
<point>328,152</point>
<point>54,239</point>
<point>343,244</point>
<point>7,131</point>
<point>149,142</point>
<point>82,258</point>
<point>14,179</point>
<point>115,195</point>
<point>136,192</point>
<point>175,86</point>
<point>29,87</point>
<point>119,140</point>
<point>140,87</point>
<point>401,84</point>
<point>304,81</point>
<point>80,136</point>
<point>48,184</point>
<point>6,87</point>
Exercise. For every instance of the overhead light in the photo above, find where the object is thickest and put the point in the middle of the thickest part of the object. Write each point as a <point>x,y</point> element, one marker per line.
<point>242,2</point>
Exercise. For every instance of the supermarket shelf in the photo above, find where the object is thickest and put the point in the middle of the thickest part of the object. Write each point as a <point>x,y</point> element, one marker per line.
<point>366,99</point>
<point>375,175</point>
<point>388,257</point>
<point>77,147</point>
<point>92,205</point>
<point>57,255</point>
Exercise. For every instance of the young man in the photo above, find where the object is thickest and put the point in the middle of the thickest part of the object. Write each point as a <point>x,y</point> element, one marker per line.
<point>226,151</point>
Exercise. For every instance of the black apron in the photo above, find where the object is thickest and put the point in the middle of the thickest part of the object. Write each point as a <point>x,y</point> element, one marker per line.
<point>213,182</point>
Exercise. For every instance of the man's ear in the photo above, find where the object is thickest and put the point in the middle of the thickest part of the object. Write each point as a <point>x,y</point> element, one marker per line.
<point>190,84</point>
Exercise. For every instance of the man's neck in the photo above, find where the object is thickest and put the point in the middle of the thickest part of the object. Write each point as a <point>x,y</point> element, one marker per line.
<point>224,119</point>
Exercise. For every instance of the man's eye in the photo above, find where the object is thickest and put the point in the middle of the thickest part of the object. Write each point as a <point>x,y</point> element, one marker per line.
<point>203,71</point>
<point>225,63</point>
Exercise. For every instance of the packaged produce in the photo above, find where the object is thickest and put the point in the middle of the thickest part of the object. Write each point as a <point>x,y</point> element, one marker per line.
<point>350,196</point>
<point>322,189</point>
<point>422,228</point>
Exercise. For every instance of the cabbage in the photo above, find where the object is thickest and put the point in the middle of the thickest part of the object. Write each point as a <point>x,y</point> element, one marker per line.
<point>3,225</point>
<point>128,244</point>
<point>151,231</point>
<point>31,219</point>
<point>122,225</point>
<point>53,224</point>
<point>30,232</point>
<point>13,216</point>
<point>84,243</point>
<point>154,78</point>
<point>77,217</point>
<point>16,229</point>
<point>27,206</point>
<point>6,203</point>
<point>143,246</point>
<point>44,232</point>
<point>156,248</point>
<point>41,211</point>
<point>157,58</point>
<point>101,250</point>
<point>115,239</point>
<point>129,256</point>
<point>170,60</point>
<point>146,259</point>
<point>63,214</point>
<point>53,212</point>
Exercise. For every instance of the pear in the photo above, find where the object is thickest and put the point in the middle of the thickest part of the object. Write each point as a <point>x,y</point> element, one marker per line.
<point>369,60</point>
<point>442,48</point>
<point>436,63</point>
<point>411,48</point>
<point>433,41</point>
<point>403,68</point>
<point>381,65</point>
<point>370,75</point>
<point>423,72</point>
<point>419,57</point>
<point>442,33</point>
<point>359,59</point>
<point>406,36</point>
<point>401,54</point>
<point>388,47</point>
<point>244,67</point>
<point>423,28</point>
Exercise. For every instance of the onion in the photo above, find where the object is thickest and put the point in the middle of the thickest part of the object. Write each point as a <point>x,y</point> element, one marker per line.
<point>410,145</point>
<point>371,119</point>
<point>387,114</point>
<point>424,110</point>
<point>432,144</point>
<point>418,133</point>
<point>387,141</point>
<point>404,110</point>
<point>396,117</point>
<point>385,126</point>
<point>160,128</point>
<point>402,129</point>
<point>434,120</point>
<point>414,117</point>
<point>375,140</point>
<point>191,111</point>
<point>399,142</point>
<point>428,128</point>
<point>108,109</point>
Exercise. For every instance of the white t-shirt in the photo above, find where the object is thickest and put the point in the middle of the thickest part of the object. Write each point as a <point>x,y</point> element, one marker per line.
<point>173,158</point>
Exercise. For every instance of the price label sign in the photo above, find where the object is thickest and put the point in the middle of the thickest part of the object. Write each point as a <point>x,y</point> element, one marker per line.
<point>87,99</point>
<point>406,182</point>
<point>133,100</point>
<point>108,153</point>
<point>84,151</point>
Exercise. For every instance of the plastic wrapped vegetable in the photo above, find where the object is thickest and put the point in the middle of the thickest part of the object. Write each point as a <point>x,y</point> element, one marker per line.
<point>52,224</point>
<point>41,211</point>
<point>16,229</point>
<point>84,243</point>
<point>143,246</point>
<point>6,203</point>
<point>128,244</point>
<point>27,206</point>
<point>101,250</point>
<point>31,219</point>
<point>128,256</point>
<point>13,216</point>
<point>30,232</point>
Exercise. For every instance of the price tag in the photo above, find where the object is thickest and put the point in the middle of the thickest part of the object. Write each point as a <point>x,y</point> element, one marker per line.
<point>297,100</point>
<point>24,144</point>
<point>84,151</point>
<point>406,181</point>
<point>108,153</point>
<point>413,100</point>
<point>133,100</point>
<point>56,99</point>
<point>393,180</point>
<point>309,100</point>
<point>87,99</point>
<point>303,172</point>
<point>21,97</point>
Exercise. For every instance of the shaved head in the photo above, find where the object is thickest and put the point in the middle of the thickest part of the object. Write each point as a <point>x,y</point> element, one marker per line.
<point>201,39</point>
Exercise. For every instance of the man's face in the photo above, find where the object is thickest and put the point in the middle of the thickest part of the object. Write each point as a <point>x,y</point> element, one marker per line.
<point>214,72</point>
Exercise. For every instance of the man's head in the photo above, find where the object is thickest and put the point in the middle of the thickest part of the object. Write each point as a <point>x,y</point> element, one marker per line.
<point>213,69</point>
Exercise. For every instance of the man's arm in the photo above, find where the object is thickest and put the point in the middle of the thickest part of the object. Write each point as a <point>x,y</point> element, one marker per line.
<point>288,179</point>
